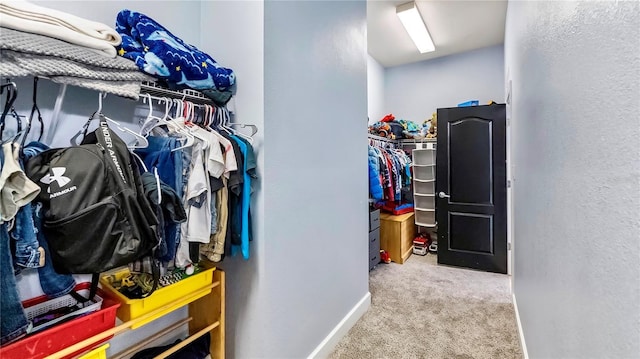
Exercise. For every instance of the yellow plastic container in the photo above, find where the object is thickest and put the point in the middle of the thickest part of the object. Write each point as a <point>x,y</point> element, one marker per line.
<point>178,294</point>
<point>97,353</point>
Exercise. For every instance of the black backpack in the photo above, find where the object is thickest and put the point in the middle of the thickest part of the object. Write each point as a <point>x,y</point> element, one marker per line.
<point>96,216</point>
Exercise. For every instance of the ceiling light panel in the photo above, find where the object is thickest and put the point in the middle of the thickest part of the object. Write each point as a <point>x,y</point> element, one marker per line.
<point>415,26</point>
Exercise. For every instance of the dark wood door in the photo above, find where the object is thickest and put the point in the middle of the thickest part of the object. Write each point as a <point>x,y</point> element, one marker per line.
<point>471,187</point>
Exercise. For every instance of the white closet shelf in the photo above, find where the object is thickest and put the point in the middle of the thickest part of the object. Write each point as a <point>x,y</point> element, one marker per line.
<point>431,165</point>
<point>424,209</point>
<point>424,181</point>
<point>431,225</point>
<point>424,194</point>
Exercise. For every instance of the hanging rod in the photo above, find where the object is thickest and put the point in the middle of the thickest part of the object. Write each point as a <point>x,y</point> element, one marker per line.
<point>374,137</point>
<point>155,90</point>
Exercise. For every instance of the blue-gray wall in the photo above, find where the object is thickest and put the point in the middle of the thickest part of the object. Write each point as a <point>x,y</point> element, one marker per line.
<point>575,74</point>
<point>415,91</point>
<point>375,89</point>
<point>315,180</point>
<point>233,32</point>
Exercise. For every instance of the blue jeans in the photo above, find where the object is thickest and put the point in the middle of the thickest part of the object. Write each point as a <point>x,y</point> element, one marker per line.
<point>53,284</point>
<point>13,322</point>
<point>28,253</point>
<point>170,168</point>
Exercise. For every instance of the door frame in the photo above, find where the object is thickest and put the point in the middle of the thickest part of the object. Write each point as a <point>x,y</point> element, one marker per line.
<point>510,180</point>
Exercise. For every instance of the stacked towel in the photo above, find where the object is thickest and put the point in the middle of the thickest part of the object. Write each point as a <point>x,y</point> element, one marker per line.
<point>28,54</point>
<point>24,16</point>
<point>161,54</point>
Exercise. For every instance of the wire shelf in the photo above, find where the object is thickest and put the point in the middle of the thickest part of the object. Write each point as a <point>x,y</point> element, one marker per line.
<point>156,90</point>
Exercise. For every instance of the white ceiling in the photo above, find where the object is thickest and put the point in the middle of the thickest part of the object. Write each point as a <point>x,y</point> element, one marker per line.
<point>455,27</point>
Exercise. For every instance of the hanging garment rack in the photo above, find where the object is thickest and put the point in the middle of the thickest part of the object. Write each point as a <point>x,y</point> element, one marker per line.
<point>158,93</point>
<point>381,141</point>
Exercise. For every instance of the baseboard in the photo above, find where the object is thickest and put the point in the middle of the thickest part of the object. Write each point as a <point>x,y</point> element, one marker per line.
<point>326,347</point>
<point>522,342</point>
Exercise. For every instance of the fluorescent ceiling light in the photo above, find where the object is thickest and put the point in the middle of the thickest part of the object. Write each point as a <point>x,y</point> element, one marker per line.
<point>413,23</point>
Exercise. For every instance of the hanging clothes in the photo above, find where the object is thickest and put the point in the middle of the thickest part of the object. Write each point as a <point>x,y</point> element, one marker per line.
<point>389,173</point>
<point>217,173</point>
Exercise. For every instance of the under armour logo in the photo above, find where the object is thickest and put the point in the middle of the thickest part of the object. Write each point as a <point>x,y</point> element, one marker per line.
<point>57,177</point>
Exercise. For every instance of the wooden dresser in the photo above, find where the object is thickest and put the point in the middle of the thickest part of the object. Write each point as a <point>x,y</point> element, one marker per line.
<point>397,234</point>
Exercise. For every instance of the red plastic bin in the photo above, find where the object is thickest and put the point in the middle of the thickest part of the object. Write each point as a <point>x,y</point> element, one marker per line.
<point>58,337</point>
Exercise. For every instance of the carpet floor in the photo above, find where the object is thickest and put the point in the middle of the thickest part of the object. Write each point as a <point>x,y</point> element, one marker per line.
<point>424,310</point>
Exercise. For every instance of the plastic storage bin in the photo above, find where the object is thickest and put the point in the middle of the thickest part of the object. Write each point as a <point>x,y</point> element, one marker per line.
<point>426,218</point>
<point>66,334</point>
<point>97,353</point>
<point>423,187</point>
<point>178,294</point>
<point>469,103</point>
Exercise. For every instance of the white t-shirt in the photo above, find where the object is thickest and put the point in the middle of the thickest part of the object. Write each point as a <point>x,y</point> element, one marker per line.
<point>215,162</point>
<point>230,162</point>
<point>197,227</point>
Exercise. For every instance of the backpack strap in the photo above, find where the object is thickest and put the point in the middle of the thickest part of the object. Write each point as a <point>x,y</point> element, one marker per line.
<point>95,278</point>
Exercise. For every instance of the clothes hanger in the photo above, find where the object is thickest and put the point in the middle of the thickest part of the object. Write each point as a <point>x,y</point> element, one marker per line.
<point>228,124</point>
<point>141,141</point>
<point>12,94</point>
<point>190,138</point>
<point>145,129</point>
<point>34,110</point>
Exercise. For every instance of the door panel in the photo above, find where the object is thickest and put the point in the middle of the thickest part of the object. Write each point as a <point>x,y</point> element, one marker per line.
<point>471,173</point>
<point>471,156</point>
<point>465,227</point>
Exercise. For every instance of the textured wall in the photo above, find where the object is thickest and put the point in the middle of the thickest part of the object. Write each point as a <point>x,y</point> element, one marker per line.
<point>315,176</point>
<point>415,91</point>
<point>375,89</point>
<point>575,72</point>
<point>244,53</point>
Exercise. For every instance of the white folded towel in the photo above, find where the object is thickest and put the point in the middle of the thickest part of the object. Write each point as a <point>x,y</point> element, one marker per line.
<point>25,16</point>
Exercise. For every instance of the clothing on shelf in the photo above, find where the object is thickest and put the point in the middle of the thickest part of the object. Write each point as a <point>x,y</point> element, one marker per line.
<point>159,53</point>
<point>25,16</point>
<point>28,54</point>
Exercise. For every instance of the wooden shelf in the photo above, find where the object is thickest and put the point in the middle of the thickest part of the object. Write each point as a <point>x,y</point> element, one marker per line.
<point>207,313</point>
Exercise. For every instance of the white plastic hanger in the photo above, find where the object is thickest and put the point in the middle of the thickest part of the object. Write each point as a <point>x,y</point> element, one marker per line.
<point>141,141</point>
<point>227,125</point>
<point>190,138</point>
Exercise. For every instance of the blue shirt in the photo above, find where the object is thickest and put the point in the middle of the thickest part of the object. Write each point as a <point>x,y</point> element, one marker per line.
<point>246,201</point>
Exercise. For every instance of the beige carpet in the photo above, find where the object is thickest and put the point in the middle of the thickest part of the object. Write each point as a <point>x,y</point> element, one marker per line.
<point>423,310</point>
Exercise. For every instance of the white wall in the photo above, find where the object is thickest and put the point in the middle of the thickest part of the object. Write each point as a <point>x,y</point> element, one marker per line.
<point>375,89</point>
<point>315,174</point>
<point>415,91</point>
<point>575,74</point>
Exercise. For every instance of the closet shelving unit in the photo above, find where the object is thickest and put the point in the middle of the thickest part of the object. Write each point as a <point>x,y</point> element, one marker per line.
<point>158,91</point>
<point>424,183</point>
<point>206,305</point>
